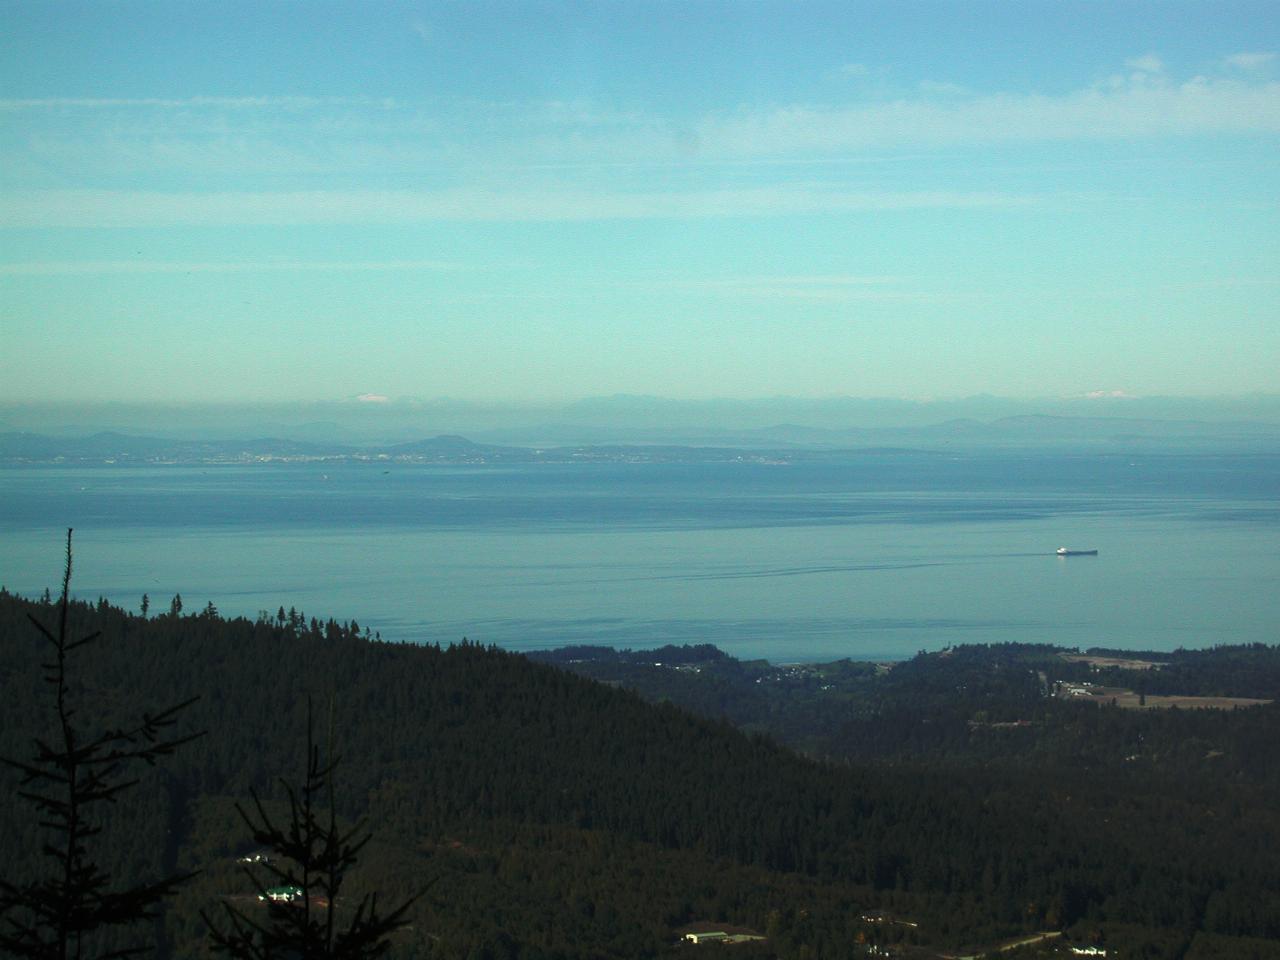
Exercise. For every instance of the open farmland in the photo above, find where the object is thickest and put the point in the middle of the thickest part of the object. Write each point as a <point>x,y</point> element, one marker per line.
<point>1121,663</point>
<point>1135,701</point>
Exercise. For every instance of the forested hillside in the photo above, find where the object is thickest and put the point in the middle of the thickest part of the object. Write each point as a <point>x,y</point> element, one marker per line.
<point>562,817</point>
<point>1008,705</point>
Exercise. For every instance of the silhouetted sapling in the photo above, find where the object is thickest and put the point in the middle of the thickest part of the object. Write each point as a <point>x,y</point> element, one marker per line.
<point>69,774</point>
<point>310,857</point>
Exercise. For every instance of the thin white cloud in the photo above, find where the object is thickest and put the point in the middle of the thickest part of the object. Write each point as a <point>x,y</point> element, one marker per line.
<point>220,140</point>
<point>422,31</point>
<point>70,267</point>
<point>832,294</point>
<point>815,288</point>
<point>1250,62</point>
<point>256,102</point>
<point>943,88</point>
<point>1148,63</point>
<point>101,208</point>
<point>792,281</point>
<point>1127,108</point>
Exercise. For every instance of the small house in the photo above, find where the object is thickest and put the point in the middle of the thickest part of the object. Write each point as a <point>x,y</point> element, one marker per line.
<point>288,894</point>
<point>706,936</point>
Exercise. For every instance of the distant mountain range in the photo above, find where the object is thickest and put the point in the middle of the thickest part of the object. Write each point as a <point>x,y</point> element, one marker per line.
<point>1036,429</point>
<point>776,443</point>
<point>637,419</point>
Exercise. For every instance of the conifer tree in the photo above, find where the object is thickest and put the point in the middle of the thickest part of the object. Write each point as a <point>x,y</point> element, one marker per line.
<point>69,776</point>
<point>310,858</point>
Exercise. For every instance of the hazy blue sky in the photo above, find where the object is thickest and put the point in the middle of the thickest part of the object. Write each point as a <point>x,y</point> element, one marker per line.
<point>312,200</point>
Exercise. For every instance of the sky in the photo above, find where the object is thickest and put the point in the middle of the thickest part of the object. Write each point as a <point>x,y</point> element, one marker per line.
<point>528,202</point>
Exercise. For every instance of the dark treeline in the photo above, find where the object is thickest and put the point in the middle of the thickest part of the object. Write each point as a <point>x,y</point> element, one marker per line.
<point>978,704</point>
<point>1243,671</point>
<point>565,818</point>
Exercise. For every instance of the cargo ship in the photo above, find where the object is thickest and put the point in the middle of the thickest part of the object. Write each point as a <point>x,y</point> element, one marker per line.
<point>1064,552</point>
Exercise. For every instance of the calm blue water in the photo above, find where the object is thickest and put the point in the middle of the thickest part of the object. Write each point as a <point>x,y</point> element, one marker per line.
<point>877,557</point>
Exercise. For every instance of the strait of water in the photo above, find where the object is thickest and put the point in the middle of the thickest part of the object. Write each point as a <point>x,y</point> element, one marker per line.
<point>872,557</point>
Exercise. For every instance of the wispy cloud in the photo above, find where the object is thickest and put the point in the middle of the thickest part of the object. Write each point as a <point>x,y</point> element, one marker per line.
<point>422,31</point>
<point>101,208</point>
<point>359,135</point>
<point>178,103</point>
<point>68,267</point>
<point>1123,108</point>
<point>1148,63</point>
<point>942,88</point>
<point>815,288</point>
<point>225,142</point>
<point>1251,62</point>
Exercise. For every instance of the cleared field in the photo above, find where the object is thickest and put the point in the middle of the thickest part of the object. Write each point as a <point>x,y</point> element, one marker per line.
<point>1192,703</point>
<point>1119,662</point>
<point>1133,701</point>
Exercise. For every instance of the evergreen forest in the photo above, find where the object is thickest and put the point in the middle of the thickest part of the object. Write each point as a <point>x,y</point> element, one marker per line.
<point>596,803</point>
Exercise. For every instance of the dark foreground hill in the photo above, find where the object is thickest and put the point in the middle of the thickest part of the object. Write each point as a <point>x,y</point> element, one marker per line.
<point>564,818</point>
